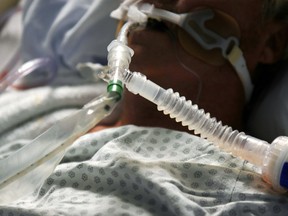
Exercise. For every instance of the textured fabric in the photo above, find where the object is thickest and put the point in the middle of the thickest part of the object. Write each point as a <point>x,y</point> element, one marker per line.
<point>26,114</point>
<point>127,170</point>
<point>150,171</point>
<point>69,32</point>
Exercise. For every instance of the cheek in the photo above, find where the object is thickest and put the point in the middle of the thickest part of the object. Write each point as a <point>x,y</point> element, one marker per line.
<point>252,37</point>
<point>170,66</point>
<point>164,68</point>
<point>146,57</point>
<point>167,72</point>
<point>252,47</point>
<point>151,48</point>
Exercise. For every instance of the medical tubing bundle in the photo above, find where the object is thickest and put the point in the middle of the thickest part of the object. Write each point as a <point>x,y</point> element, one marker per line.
<point>271,158</point>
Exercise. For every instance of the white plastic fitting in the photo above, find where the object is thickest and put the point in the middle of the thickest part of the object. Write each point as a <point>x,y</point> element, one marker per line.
<point>119,57</point>
<point>275,164</point>
<point>119,54</point>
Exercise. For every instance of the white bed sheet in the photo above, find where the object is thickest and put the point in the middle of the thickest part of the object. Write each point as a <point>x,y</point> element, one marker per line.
<point>128,170</point>
<point>133,170</point>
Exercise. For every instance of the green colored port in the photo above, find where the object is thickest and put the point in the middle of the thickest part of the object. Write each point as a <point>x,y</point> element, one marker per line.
<point>115,86</point>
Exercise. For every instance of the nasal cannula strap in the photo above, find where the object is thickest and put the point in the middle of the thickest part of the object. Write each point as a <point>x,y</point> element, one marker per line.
<point>140,12</point>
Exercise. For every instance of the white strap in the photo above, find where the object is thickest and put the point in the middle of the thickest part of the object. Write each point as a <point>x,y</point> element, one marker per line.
<point>236,58</point>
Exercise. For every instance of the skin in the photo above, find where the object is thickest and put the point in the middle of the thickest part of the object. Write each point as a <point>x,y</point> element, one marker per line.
<point>216,89</point>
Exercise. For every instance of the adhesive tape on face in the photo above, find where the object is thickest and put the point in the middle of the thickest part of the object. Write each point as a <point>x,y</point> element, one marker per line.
<point>222,24</point>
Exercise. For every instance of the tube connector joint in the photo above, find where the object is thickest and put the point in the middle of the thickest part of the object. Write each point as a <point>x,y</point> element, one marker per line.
<point>275,166</point>
<point>115,87</point>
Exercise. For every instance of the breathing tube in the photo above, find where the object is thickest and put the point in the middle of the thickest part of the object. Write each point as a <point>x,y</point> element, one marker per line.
<point>119,58</point>
<point>271,158</point>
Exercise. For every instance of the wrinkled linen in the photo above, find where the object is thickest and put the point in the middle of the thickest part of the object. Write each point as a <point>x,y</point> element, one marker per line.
<point>132,170</point>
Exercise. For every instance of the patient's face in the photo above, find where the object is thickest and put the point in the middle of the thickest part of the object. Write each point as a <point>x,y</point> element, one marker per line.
<point>214,87</point>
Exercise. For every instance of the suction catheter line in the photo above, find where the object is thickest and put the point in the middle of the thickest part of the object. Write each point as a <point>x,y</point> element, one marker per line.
<point>58,151</point>
<point>47,150</point>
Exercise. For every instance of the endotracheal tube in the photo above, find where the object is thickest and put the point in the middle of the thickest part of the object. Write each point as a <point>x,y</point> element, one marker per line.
<point>119,58</point>
<point>271,158</point>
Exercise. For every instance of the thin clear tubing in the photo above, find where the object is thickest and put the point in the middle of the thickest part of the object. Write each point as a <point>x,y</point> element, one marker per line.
<point>272,159</point>
<point>29,67</point>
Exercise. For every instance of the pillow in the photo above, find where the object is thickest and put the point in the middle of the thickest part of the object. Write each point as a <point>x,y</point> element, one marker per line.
<point>68,31</point>
<point>268,118</point>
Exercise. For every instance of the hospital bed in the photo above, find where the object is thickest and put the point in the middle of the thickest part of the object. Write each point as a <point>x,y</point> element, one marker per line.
<point>130,170</point>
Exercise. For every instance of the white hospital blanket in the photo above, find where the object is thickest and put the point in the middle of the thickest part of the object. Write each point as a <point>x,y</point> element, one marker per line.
<point>133,170</point>
<point>26,114</point>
